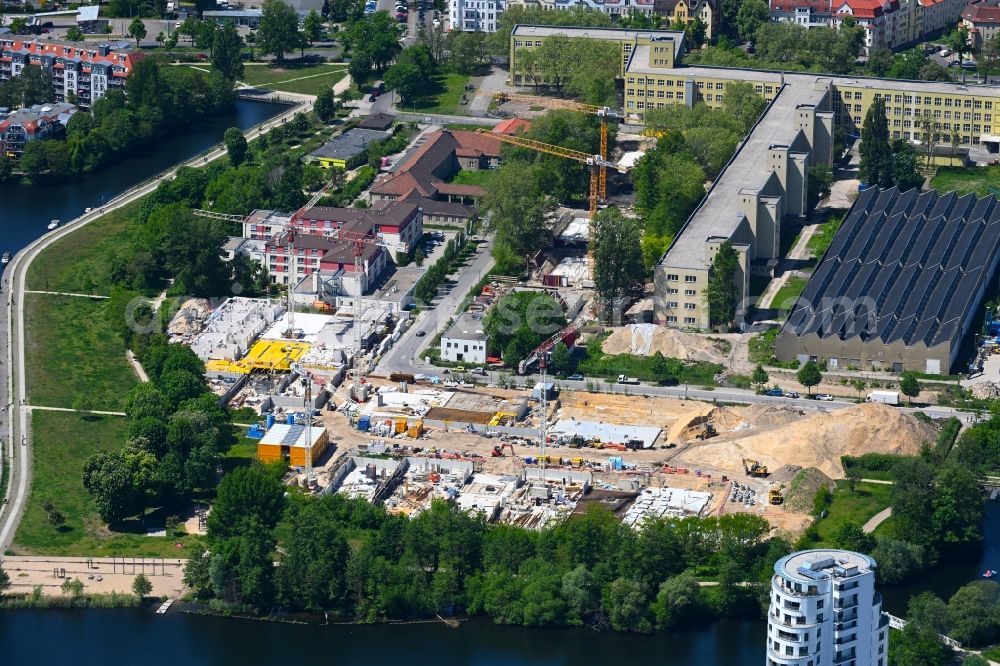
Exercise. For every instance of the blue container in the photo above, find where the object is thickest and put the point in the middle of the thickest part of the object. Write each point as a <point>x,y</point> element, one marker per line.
<point>291,419</point>
<point>255,432</point>
<point>270,421</point>
<point>364,423</point>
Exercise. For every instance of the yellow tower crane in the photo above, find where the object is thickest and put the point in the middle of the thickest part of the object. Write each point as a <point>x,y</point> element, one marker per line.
<point>595,162</point>
<point>605,113</point>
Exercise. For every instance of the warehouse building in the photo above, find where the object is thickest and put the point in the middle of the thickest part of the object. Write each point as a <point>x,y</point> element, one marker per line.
<point>900,284</point>
<point>287,442</point>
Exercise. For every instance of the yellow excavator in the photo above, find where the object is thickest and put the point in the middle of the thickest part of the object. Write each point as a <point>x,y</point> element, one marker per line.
<point>754,468</point>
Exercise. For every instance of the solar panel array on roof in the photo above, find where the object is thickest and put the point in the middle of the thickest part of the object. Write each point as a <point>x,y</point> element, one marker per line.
<point>904,266</point>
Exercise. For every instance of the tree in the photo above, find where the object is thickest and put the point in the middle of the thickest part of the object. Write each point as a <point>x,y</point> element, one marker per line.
<point>625,604</point>
<point>518,210</point>
<point>897,560</point>
<point>909,386</point>
<point>721,293</point>
<point>236,145</point>
<point>956,505</point>
<point>141,586</point>
<point>678,601</point>
<point>743,103</point>
<point>405,79</point>
<point>616,247</point>
<point>374,38</point>
<point>876,151</point>
<point>858,385</point>
<point>852,479</point>
<point>72,588</point>
<point>246,493</point>
<point>278,30</point>
<point>904,172</point>
<point>562,359</point>
<point>975,660</point>
<point>325,107</point>
<point>850,536</point>
<point>4,581</point>
<point>759,377</point>
<point>911,496</point>
<point>580,593</point>
<point>312,27</point>
<point>809,375</point>
<point>973,613</point>
<point>958,41</point>
<point>74,34</point>
<point>227,52</point>
<point>918,647</point>
<point>751,15</point>
<point>137,29</point>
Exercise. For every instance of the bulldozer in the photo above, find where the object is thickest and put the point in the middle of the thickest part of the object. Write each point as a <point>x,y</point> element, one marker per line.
<point>774,496</point>
<point>754,468</point>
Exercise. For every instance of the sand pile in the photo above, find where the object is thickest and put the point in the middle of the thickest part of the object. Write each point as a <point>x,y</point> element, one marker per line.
<point>815,441</point>
<point>985,391</point>
<point>647,339</point>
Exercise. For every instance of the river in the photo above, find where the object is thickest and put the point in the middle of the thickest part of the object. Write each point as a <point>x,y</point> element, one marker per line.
<point>26,210</point>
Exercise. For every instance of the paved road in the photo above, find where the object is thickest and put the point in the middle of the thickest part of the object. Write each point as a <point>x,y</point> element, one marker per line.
<point>876,520</point>
<point>404,355</point>
<point>14,381</point>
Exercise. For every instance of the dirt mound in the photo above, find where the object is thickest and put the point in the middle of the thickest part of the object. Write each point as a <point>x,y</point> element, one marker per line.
<point>815,441</point>
<point>647,339</point>
<point>802,489</point>
<point>764,415</point>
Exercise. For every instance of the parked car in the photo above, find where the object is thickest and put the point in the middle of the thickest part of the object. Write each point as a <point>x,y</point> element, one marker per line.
<point>575,377</point>
<point>479,371</point>
<point>824,396</point>
<point>792,394</point>
<point>459,368</point>
<point>421,334</point>
<point>774,393</point>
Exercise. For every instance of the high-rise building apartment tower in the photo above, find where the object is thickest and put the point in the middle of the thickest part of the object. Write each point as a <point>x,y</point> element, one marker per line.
<point>825,611</point>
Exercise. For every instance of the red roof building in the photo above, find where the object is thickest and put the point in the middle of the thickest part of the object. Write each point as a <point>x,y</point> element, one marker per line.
<point>982,18</point>
<point>87,72</point>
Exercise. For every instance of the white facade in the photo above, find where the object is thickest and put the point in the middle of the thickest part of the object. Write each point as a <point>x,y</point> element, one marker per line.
<point>825,611</point>
<point>475,15</point>
<point>465,341</point>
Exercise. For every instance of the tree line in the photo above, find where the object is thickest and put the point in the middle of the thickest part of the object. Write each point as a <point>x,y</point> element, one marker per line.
<point>155,102</point>
<point>356,561</point>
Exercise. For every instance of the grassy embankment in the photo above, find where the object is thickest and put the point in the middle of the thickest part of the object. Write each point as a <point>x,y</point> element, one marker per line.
<point>72,351</point>
<point>305,79</point>
<point>858,507</point>
<point>963,181</point>
<point>442,97</point>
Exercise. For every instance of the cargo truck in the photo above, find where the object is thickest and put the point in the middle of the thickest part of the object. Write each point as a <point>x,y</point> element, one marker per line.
<point>622,379</point>
<point>884,397</point>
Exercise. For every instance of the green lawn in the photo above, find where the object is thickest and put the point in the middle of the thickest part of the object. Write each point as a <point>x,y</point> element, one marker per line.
<point>61,444</point>
<point>443,97</point>
<point>311,86</point>
<point>242,453</point>
<point>792,289</point>
<point>77,261</point>
<point>963,181</point>
<point>482,177</point>
<point>265,75</point>
<point>823,237</point>
<point>72,350</point>
<point>866,500</point>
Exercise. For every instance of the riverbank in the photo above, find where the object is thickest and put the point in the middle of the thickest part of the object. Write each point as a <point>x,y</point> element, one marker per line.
<point>46,250</point>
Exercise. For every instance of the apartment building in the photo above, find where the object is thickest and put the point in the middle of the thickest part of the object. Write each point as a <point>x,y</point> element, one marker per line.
<point>42,121</point>
<point>686,11</point>
<point>293,257</point>
<point>609,7</point>
<point>80,74</point>
<point>475,15</point>
<point>397,224</point>
<point>825,611</point>
<point>982,19</point>
<point>806,13</point>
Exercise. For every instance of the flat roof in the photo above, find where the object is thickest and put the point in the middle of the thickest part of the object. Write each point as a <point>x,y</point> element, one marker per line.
<point>466,327</point>
<point>285,434</point>
<point>911,264</point>
<point>808,566</point>
<point>718,214</point>
<point>676,36</point>
<point>606,432</point>
<point>349,144</point>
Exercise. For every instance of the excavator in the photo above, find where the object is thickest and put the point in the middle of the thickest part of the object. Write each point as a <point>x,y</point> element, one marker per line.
<point>497,451</point>
<point>754,468</point>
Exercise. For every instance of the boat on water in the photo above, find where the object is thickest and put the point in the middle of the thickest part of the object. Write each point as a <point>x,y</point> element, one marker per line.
<point>990,573</point>
<point>53,224</point>
<point>5,259</point>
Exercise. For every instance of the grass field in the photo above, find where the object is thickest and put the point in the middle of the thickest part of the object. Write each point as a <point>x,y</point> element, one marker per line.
<point>81,267</point>
<point>71,351</point>
<point>61,444</point>
<point>786,296</point>
<point>866,500</point>
<point>821,240</point>
<point>443,97</point>
<point>292,78</point>
<point>482,177</point>
<point>963,181</point>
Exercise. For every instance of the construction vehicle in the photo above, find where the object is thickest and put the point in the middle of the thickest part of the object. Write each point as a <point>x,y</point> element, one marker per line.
<point>774,496</point>
<point>595,162</point>
<point>497,451</point>
<point>602,112</point>
<point>754,468</point>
